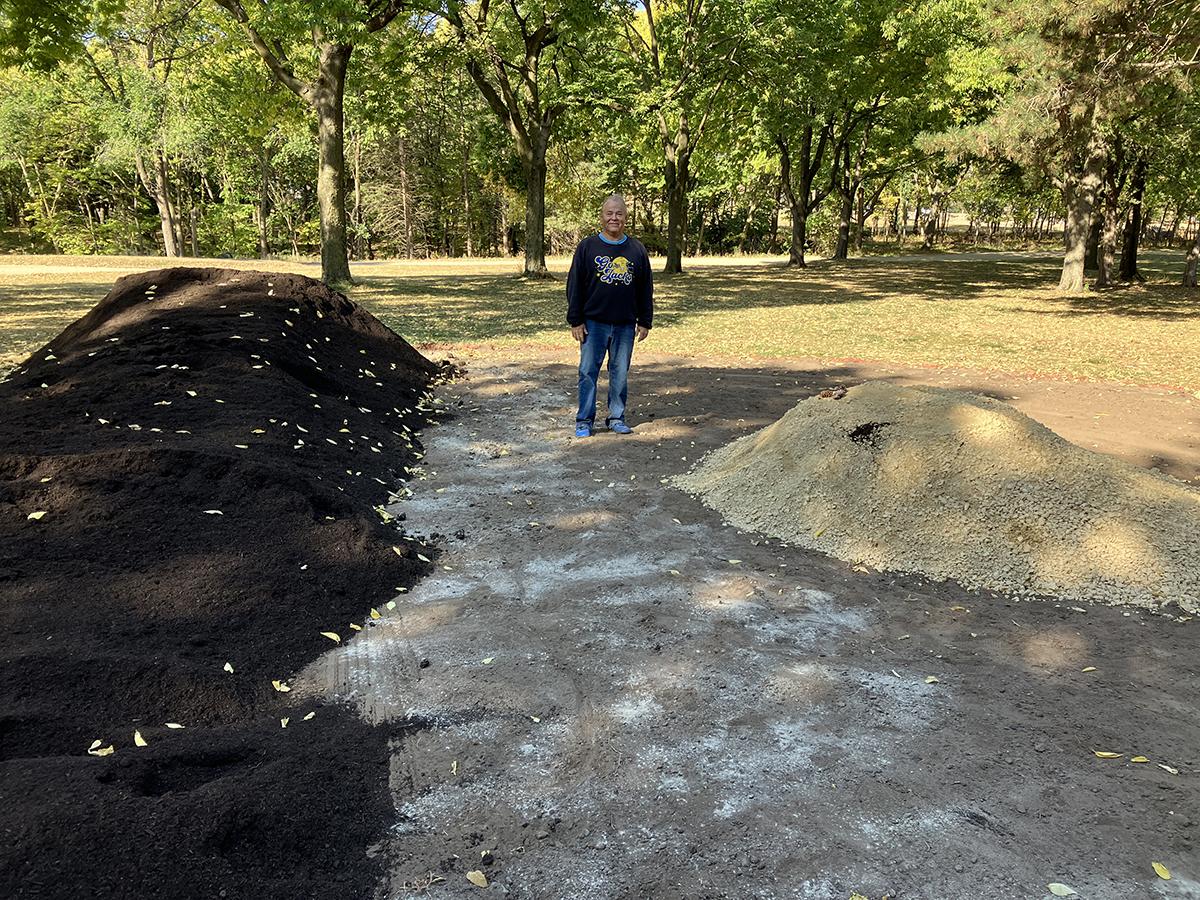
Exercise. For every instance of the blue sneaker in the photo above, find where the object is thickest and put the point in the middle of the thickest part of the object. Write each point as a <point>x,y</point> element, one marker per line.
<point>583,429</point>
<point>616,426</point>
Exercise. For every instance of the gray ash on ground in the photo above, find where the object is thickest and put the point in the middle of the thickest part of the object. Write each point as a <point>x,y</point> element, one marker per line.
<point>189,477</point>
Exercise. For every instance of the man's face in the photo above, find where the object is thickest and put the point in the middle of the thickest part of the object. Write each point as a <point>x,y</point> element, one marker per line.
<point>612,219</point>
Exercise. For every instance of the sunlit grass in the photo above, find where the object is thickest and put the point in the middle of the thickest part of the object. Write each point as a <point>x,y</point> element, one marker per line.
<point>996,312</point>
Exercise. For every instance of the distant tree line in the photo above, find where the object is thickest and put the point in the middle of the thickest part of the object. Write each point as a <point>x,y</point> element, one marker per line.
<point>363,128</point>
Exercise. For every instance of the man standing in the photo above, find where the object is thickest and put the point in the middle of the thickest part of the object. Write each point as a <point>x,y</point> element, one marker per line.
<point>610,300</point>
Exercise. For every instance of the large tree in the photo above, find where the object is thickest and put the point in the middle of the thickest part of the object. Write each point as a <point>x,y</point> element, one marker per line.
<point>684,52</point>
<point>332,29</point>
<point>1082,68</point>
<point>532,61</point>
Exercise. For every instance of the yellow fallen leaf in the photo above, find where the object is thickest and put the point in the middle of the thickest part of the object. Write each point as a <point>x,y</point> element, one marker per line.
<point>1088,669</point>
<point>397,551</point>
<point>283,722</point>
<point>1139,759</point>
<point>96,743</point>
<point>422,557</point>
<point>1061,890</point>
<point>535,718</point>
<point>103,751</point>
<point>258,431</point>
<point>354,627</point>
<point>228,668</point>
<point>34,516</point>
<point>735,562</point>
<point>333,636</point>
<point>1161,871</point>
<point>477,878</point>
<point>213,512</point>
<point>1107,754</point>
<point>1169,769</point>
<point>489,660</point>
<point>375,613</point>
<point>138,740</point>
<point>174,725</point>
<point>309,716</point>
<point>932,679</point>
<point>959,609</point>
<point>391,604</point>
<point>280,686</point>
<point>674,571</point>
<point>242,446</point>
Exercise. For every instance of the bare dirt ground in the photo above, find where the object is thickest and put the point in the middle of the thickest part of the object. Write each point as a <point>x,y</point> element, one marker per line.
<point>603,692</point>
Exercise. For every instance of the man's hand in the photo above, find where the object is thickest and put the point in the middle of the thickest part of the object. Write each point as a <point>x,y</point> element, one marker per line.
<point>579,332</point>
<point>642,331</point>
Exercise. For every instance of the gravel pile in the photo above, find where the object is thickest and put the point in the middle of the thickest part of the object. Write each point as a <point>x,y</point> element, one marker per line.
<point>958,486</point>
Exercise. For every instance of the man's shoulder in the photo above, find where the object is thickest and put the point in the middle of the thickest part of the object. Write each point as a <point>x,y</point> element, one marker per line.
<point>635,245</point>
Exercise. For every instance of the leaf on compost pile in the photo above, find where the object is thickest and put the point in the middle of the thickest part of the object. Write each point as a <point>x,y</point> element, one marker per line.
<point>34,516</point>
<point>477,878</point>
<point>1107,754</point>
<point>1061,890</point>
<point>1139,759</point>
<point>1161,871</point>
<point>932,679</point>
<point>333,636</point>
<point>280,686</point>
<point>228,667</point>
<point>138,740</point>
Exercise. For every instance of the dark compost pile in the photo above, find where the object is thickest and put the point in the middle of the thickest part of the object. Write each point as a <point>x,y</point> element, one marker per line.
<point>189,477</point>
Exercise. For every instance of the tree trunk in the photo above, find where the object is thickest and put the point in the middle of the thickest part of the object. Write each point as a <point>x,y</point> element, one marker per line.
<point>264,205</point>
<point>675,175</point>
<point>154,179</point>
<point>535,204</point>
<point>860,220</point>
<point>405,201</point>
<point>1133,226</point>
<point>842,250</point>
<point>745,235</point>
<point>1091,261</point>
<point>1106,255</point>
<point>327,101</point>
<point>505,237</point>
<point>773,241</point>
<point>1079,197</point>
<point>1193,257</point>
<point>799,236</point>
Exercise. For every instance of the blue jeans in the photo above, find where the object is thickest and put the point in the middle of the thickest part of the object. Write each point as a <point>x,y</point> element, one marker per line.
<point>617,342</point>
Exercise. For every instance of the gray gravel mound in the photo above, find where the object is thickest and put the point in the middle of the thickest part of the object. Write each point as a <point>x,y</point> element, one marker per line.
<point>958,486</point>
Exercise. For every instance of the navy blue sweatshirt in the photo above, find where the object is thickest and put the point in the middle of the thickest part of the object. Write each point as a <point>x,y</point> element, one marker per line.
<point>610,283</point>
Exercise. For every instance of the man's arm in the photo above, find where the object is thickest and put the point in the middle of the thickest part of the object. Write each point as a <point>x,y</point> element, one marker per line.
<point>577,280</point>
<point>645,296</point>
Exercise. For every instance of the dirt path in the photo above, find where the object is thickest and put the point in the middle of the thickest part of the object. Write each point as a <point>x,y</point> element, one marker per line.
<point>614,696</point>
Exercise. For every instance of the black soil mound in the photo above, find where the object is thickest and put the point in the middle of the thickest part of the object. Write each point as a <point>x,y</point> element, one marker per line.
<point>189,477</point>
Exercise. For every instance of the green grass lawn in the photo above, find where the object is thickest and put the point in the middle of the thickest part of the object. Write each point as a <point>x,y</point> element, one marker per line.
<point>987,311</point>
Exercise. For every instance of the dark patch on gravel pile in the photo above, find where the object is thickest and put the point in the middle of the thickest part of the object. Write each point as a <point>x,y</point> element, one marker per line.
<point>120,607</point>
